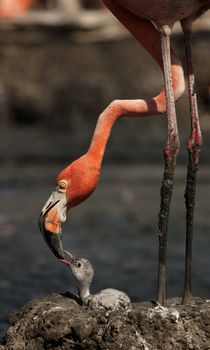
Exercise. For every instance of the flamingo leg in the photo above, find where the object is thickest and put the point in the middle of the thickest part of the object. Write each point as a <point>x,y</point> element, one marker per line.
<point>194,146</point>
<point>170,154</point>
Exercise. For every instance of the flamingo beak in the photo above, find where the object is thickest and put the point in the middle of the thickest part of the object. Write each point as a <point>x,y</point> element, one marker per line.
<point>51,218</point>
<point>70,260</point>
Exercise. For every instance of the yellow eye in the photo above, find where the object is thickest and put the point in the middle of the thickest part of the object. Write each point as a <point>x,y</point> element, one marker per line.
<point>62,185</point>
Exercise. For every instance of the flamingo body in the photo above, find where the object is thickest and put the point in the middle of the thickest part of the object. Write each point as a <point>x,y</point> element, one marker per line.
<point>163,12</point>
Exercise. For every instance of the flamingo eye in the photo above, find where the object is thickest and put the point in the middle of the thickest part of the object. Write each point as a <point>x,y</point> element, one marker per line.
<point>62,185</point>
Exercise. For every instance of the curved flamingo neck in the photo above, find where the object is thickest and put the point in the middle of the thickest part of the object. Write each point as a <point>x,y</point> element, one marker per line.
<point>102,132</point>
<point>117,109</point>
<point>148,36</point>
<point>107,119</point>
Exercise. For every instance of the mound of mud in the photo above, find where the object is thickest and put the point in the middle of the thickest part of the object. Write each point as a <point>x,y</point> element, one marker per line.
<point>59,322</point>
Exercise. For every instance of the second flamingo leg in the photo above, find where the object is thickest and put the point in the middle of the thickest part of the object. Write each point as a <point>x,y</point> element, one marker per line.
<point>193,146</point>
<point>170,153</point>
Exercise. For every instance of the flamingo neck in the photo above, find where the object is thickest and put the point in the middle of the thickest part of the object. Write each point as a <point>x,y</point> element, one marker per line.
<point>102,132</point>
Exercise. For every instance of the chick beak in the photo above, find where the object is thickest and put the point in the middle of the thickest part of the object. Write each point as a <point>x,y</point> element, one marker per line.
<point>70,259</point>
<point>51,218</point>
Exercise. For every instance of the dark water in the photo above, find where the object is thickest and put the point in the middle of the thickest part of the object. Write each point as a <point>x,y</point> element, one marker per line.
<point>116,229</point>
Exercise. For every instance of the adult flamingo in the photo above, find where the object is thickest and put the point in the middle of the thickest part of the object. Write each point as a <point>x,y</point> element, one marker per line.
<point>13,8</point>
<point>150,23</point>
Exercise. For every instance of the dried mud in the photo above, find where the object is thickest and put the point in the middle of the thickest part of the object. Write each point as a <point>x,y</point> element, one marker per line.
<point>59,322</point>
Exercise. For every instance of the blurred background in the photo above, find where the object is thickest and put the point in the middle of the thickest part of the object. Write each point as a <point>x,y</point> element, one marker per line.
<point>61,63</point>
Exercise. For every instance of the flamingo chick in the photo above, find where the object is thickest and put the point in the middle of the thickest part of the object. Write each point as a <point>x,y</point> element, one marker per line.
<point>151,23</point>
<point>109,299</point>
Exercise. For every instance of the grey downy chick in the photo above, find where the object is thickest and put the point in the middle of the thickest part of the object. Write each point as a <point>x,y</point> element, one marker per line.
<point>109,299</point>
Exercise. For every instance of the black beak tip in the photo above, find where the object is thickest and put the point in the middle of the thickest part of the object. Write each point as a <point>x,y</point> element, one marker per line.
<point>53,240</point>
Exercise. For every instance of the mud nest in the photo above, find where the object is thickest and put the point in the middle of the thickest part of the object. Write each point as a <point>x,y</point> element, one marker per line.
<point>60,322</point>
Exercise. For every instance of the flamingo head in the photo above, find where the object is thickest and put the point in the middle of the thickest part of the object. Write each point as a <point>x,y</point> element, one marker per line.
<point>83,272</point>
<point>73,185</point>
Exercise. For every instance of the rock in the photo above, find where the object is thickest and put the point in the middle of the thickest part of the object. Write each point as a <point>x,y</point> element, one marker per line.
<point>59,322</point>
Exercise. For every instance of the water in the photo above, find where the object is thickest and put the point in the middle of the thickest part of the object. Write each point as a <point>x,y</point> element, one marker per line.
<point>116,228</point>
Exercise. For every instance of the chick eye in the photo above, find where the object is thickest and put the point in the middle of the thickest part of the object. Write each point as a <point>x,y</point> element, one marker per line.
<point>79,264</point>
<point>62,185</point>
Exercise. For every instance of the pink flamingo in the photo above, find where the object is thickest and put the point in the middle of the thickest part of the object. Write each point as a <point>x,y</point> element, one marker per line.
<point>150,23</point>
<point>13,8</point>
